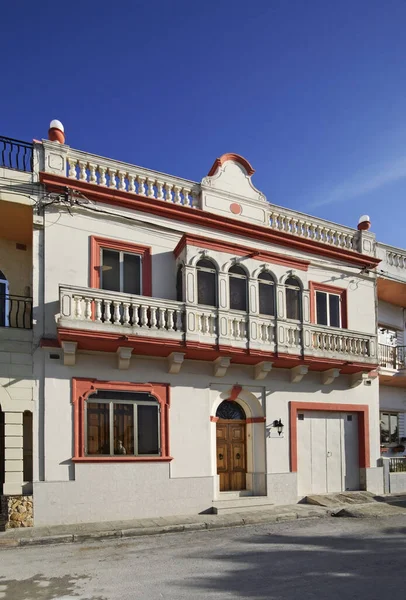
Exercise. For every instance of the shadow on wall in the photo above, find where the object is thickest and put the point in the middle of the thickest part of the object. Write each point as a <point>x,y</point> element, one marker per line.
<point>308,567</point>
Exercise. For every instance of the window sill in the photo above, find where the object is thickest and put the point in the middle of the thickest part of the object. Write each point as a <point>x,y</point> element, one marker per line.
<point>123,459</point>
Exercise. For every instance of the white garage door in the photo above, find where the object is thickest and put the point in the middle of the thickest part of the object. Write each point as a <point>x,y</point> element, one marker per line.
<point>327,449</point>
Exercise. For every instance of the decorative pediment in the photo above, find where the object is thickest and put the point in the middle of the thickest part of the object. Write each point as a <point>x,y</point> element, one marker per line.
<point>228,190</point>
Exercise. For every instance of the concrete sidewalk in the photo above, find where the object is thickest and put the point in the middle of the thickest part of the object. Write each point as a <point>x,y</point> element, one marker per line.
<point>63,534</point>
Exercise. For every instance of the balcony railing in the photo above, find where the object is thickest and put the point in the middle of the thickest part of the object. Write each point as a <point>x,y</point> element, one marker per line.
<point>397,465</point>
<point>15,154</point>
<point>102,310</point>
<point>16,311</point>
<point>392,357</point>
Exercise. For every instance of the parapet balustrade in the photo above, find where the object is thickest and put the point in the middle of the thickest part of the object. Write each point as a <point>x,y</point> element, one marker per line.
<point>106,311</point>
<point>128,178</point>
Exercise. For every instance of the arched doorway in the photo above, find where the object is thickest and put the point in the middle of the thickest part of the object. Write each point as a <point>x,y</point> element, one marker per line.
<point>231,446</point>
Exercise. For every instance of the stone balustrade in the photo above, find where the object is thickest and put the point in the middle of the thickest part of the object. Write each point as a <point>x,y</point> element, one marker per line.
<point>129,178</point>
<point>311,228</point>
<point>106,311</point>
<point>116,175</point>
<point>338,343</point>
<point>393,260</point>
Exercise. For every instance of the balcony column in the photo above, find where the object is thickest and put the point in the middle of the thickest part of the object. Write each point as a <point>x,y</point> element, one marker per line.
<point>190,295</point>
<point>223,321</point>
<point>254,325</point>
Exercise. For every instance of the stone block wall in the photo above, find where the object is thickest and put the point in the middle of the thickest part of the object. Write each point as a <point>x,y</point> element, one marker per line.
<point>16,511</point>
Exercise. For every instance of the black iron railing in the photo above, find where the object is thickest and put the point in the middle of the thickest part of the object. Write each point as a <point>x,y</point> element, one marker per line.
<point>15,154</point>
<point>397,465</point>
<point>392,357</point>
<point>15,311</point>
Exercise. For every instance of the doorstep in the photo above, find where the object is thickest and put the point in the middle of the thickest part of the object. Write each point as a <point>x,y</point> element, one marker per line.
<point>80,532</point>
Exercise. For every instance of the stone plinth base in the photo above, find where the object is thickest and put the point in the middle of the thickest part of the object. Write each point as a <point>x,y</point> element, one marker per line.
<point>16,511</point>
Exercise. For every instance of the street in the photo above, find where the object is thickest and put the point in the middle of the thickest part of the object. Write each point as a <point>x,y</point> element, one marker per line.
<point>323,559</point>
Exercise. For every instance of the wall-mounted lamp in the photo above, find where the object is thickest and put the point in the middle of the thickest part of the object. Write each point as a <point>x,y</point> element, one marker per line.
<point>278,425</point>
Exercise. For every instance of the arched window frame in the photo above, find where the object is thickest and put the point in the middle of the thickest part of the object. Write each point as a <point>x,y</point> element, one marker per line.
<point>294,307</point>
<point>234,277</point>
<point>210,273</point>
<point>266,285</point>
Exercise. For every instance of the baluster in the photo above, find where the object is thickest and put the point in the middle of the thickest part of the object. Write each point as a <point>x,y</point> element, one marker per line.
<point>117,316</point>
<point>82,174</point>
<point>212,325</point>
<point>161,317</point>
<point>205,324</point>
<point>98,310</point>
<point>153,320</point>
<point>160,190</point>
<point>141,187</point>
<point>178,319</point>
<point>195,200</point>
<point>185,192</point>
<point>170,319</point>
<point>88,309</point>
<point>131,183</point>
<point>112,174</point>
<point>72,168</point>
<point>102,174</point>
<point>168,192</point>
<point>92,169</point>
<point>135,315</point>
<point>126,315</point>
<point>151,191</point>
<point>121,183</point>
<point>177,198</point>
<point>144,316</point>
<point>107,310</point>
<point>78,307</point>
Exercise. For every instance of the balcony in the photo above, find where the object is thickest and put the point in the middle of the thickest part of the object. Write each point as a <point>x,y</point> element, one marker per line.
<point>102,320</point>
<point>15,154</point>
<point>392,365</point>
<point>15,311</point>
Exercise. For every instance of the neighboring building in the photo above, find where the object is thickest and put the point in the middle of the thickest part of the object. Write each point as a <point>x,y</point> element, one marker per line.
<point>17,197</point>
<point>195,346</point>
<point>392,346</point>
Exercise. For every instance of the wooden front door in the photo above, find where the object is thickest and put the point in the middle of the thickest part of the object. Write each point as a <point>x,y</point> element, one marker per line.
<point>231,454</point>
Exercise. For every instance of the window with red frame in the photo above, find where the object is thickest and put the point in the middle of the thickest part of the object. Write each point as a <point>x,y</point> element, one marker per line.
<point>122,423</point>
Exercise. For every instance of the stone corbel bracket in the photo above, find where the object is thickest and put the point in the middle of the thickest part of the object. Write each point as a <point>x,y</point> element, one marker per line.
<point>327,377</point>
<point>123,357</point>
<point>357,379</point>
<point>175,361</point>
<point>297,373</point>
<point>262,369</point>
<point>221,365</point>
<point>69,353</point>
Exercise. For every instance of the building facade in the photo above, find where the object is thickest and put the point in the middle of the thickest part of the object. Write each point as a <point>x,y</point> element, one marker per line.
<point>194,346</point>
<point>392,363</point>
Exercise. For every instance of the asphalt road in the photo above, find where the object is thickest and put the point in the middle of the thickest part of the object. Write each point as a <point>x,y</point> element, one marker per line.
<point>325,559</point>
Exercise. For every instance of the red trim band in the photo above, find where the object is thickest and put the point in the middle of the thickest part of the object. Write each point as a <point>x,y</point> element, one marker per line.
<point>233,157</point>
<point>238,250</point>
<point>201,218</point>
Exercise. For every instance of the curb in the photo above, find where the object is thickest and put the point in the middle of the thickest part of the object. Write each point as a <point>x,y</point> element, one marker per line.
<point>158,530</point>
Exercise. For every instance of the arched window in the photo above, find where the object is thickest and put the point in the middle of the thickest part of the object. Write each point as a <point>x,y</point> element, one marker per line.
<point>229,409</point>
<point>266,290</point>
<point>293,299</point>
<point>238,288</point>
<point>206,282</point>
<point>179,284</point>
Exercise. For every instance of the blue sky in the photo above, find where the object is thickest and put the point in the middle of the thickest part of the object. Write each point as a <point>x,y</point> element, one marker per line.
<point>311,92</point>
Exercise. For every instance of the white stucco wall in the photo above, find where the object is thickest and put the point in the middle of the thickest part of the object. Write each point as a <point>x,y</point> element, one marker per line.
<point>188,484</point>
